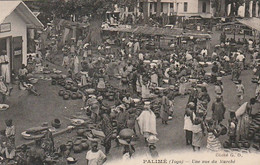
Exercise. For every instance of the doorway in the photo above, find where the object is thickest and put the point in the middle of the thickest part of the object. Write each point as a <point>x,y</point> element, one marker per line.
<point>17,58</point>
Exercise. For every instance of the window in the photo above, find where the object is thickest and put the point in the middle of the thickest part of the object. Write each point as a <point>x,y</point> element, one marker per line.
<point>185,7</point>
<point>204,7</point>
<point>155,7</point>
<point>161,7</point>
<point>171,5</point>
<point>141,6</point>
<point>151,6</point>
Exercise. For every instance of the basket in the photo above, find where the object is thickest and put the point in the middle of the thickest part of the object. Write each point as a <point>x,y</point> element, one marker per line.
<point>4,107</point>
<point>71,160</point>
<point>219,78</point>
<point>33,80</point>
<point>27,136</point>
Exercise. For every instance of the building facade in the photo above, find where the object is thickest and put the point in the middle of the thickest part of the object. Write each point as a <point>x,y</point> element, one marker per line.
<point>15,20</point>
<point>183,8</point>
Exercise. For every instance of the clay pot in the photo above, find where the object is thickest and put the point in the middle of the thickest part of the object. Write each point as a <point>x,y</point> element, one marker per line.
<point>69,145</point>
<point>77,148</point>
<point>56,123</point>
<point>67,86</point>
<point>53,82</point>
<point>81,131</point>
<point>79,95</point>
<point>112,115</point>
<point>226,144</point>
<point>223,130</point>
<point>114,123</point>
<point>74,89</point>
<point>61,92</point>
<point>66,96</point>
<point>239,144</point>
<point>84,144</point>
<point>110,98</point>
<point>156,91</point>
<point>74,96</point>
<point>233,145</point>
<point>107,94</point>
<point>63,84</point>
<point>246,144</point>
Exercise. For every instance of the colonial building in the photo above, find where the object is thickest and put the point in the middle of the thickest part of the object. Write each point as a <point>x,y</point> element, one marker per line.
<point>15,21</point>
<point>183,8</point>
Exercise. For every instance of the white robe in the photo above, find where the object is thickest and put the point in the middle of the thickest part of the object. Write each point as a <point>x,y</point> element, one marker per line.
<point>76,64</point>
<point>147,122</point>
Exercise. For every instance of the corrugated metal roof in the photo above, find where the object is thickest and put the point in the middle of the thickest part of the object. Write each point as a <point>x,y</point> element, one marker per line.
<point>253,23</point>
<point>7,7</point>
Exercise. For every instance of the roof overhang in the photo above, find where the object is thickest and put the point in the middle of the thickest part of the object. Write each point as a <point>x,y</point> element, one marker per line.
<point>22,10</point>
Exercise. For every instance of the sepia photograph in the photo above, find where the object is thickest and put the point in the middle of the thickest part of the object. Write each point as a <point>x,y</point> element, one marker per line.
<point>129,82</point>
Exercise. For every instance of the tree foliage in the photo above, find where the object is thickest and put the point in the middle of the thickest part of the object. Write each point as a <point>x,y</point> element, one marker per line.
<point>63,9</point>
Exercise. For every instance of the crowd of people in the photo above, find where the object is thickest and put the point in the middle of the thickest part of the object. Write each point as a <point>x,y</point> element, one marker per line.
<point>144,84</point>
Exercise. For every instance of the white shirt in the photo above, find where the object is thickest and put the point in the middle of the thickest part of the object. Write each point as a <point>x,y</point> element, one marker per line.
<point>204,51</point>
<point>130,44</point>
<point>240,57</point>
<point>141,56</point>
<point>188,123</point>
<point>95,158</point>
<point>188,57</point>
<point>226,58</point>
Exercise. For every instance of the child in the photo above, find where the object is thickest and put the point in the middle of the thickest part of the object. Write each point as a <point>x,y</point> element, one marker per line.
<point>188,126</point>
<point>197,131</point>
<point>95,155</point>
<point>232,127</point>
<point>219,89</point>
<point>240,91</point>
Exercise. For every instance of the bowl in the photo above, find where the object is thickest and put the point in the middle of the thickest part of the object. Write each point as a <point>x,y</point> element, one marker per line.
<point>71,160</point>
<point>33,80</point>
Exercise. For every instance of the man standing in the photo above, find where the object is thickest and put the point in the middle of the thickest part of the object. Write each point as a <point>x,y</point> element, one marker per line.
<point>5,70</point>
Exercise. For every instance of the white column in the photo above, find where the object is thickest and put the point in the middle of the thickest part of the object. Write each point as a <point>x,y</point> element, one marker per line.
<point>228,9</point>
<point>257,9</point>
<point>148,4</point>
<point>250,8</point>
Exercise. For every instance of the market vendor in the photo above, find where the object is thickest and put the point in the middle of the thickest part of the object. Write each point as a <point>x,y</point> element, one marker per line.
<point>147,122</point>
<point>37,154</point>
<point>107,128</point>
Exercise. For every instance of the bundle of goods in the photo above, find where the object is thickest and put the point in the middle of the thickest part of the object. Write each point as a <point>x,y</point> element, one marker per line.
<point>126,137</point>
